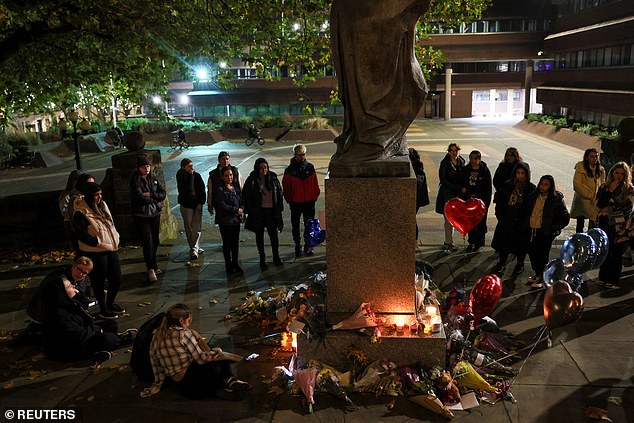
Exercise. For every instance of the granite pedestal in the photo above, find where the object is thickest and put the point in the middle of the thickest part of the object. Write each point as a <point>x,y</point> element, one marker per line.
<point>371,254</point>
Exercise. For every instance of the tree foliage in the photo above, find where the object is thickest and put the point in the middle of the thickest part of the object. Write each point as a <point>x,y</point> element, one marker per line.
<point>61,54</point>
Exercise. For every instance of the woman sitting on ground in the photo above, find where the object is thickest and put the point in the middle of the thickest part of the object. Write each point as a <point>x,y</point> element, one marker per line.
<point>70,333</point>
<point>180,354</point>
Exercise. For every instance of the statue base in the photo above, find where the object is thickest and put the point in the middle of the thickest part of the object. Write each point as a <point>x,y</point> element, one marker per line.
<point>395,167</point>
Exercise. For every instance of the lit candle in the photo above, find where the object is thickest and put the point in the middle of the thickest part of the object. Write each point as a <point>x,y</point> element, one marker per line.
<point>413,327</point>
<point>431,310</point>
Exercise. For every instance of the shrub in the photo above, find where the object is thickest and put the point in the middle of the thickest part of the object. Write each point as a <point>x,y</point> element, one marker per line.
<point>313,123</point>
<point>132,124</point>
<point>533,117</point>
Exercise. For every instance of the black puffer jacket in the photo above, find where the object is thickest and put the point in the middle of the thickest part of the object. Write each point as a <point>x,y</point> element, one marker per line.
<point>67,326</point>
<point>141,205</point>
<point>252,198</point>
<point>449,185</point>
<point>191,189</point>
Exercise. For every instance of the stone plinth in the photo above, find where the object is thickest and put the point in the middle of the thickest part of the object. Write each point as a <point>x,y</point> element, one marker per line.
<point>371,244</point>
<point>404,349</point>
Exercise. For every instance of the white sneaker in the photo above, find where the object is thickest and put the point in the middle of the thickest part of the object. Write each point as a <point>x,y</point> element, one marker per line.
<point>151,275</point>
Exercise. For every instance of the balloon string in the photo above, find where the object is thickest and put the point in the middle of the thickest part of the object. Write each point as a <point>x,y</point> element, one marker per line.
<point>541,334</point>
<point>464,256</point>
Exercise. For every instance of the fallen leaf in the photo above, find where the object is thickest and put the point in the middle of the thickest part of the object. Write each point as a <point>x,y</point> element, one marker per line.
<point>275,390</point>
<point>615,400</point>
<point>597,414</point>
<point>213,302</point>
<point>90,398</point>
<point>53,388</point>
<point>8,385</point>
<point>38,357</point>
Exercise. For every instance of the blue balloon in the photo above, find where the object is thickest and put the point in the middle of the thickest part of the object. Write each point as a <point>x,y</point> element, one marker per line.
<point>579,253</point>
<point>313,234</point>
<point>602,243</point>
<point>575,280</point>
<point>554,271</point>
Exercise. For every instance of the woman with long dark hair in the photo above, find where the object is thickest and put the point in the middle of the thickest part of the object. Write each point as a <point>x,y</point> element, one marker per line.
<point>504,170</point>
<point>614,201</point>
<point>229,211</point>
<point>476,183</point>
<point>548,216</point>
<point>99,241</point>
<point>179,354</point>
<point>263,204</point>
<point>448,188</point>
<point>589,176</point>
<point>511,234</point>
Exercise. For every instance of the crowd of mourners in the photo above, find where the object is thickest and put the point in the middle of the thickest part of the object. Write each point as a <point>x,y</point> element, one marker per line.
<point>178,355</point>
<point>529,218</point>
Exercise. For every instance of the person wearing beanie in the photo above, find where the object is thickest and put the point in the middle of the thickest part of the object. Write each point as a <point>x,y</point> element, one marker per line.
<point>146,196</point>
<point>191,197</point>
<point>215,179</point>
<point>99,241</point>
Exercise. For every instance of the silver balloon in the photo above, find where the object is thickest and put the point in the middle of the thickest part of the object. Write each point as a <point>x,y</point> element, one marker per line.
<point>579,253</point>
<point>554,271</point>
<point>602,244</point>
<point>575,280</point>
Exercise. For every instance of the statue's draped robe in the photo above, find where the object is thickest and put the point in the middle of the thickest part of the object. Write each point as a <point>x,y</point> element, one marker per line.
<point>381,84</point>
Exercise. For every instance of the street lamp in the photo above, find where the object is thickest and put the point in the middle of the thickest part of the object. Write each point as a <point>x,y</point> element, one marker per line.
<point>83,125</point>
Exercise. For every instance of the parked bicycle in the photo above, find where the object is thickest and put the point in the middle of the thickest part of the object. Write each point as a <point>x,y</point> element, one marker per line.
<point>254,135</point>
<point>179,141</point>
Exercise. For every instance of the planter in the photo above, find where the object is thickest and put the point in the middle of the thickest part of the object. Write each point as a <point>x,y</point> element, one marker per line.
<point>564,135</point>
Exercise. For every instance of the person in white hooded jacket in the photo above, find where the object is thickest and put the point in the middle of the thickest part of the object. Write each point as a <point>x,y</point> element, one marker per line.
<point>99,240</point>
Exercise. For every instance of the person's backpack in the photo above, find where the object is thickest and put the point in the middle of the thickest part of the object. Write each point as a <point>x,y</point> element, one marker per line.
<point>140,357</point>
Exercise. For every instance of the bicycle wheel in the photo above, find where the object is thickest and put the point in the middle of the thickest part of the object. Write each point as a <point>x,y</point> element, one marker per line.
<point>174,144</point>
<point>249,141</point>
<point>261,141</point>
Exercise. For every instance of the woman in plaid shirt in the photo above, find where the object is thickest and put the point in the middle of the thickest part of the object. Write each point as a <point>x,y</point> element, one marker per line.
<point>180,354</point>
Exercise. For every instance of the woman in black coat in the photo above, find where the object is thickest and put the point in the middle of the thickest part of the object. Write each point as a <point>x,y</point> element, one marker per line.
<point>264,203</point>
<point>614,200</point>
<point>547,217</point>
<point>70,333</point>
<point>476,182</point>
<point>422,193</point>
<point>229,210</point>
<point>448,188</point>
<point>505,169</point>
<point>512,234</point>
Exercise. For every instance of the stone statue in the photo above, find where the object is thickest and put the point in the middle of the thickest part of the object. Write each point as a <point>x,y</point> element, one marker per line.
<point>381,84</point>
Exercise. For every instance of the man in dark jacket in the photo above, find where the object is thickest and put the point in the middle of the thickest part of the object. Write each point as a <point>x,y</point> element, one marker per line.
<point>301,191</point>
<point>215,179</point>
<point>191,197</point>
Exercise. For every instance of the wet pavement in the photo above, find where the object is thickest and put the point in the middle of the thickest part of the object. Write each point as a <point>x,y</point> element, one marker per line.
<point>590,363</point>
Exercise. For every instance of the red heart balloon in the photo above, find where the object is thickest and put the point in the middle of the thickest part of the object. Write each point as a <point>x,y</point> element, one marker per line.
<point>485,295</point>
<point>465,215</point>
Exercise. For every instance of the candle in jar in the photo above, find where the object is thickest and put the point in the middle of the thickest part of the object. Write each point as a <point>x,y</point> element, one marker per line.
<point>431,310</point>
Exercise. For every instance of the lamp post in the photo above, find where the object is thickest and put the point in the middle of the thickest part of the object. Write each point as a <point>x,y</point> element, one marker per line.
<point>83,125</point>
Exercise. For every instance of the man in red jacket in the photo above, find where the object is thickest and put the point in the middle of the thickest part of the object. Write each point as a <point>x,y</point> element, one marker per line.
<point>301,190</point>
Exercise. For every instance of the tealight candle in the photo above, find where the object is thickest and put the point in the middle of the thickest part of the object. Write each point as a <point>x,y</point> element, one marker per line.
<point>413,327</point>
<point>431,310</point>
<point>399,328</point>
